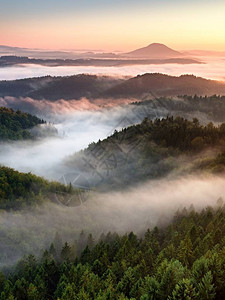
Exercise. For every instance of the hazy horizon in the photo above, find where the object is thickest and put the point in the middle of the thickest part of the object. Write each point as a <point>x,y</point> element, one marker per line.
<point>187,49</point>
<point>113,25</point>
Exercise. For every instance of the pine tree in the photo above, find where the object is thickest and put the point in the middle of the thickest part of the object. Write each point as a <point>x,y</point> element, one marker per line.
<point>184,290</point>
<point>66,252</point>
<point>206,287</point>
<point>69,293</point>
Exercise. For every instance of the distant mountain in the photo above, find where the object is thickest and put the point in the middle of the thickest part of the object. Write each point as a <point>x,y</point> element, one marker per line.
<point>52,54</point>
<point>55,88</point>
<point>37,53</point>
<point>155,50</point>
<point>157,85</point>
<point>11,60</point>
<point>92,87</point>
<point>74,87</point>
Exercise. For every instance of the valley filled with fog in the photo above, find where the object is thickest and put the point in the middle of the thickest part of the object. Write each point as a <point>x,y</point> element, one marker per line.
<point>122,151</point>
<point>76,129</point>
<point>112,150</point>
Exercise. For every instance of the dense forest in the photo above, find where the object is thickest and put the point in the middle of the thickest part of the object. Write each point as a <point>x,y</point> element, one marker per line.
<point>183,260</point>
<point>21,190</point>
<point>211,108</point>
<point>14,125</point>
<point>151,150</point>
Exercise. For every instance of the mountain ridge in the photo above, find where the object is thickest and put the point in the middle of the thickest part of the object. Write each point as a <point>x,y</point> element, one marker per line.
<point>93,87</point>
<point>158,84</point>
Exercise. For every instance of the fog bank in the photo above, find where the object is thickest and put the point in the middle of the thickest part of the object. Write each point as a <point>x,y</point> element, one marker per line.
<point>213,68</point>
<point>134,209</point>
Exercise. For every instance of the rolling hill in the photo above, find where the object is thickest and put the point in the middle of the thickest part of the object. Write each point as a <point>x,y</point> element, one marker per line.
<point>150,150</point>
<point>54,88</point>
<point>20,190</point>
<point>93,86</point>
<point>14,125</point>
<point>158,85</point>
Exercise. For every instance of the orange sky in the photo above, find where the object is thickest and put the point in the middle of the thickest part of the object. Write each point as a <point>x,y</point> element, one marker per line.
<point>196,25</point>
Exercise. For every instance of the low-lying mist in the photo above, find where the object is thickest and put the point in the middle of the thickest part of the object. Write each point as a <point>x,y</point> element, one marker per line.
<point>61,109</point>
<point>76,129</point>
<point>212,68</point>
<point>134,209</point>
<point>78,123</point>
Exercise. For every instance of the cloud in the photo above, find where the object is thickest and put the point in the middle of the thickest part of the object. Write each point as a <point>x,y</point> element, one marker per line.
<point>50,109</point>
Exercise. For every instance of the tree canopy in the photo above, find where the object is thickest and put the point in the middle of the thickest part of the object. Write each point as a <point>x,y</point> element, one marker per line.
<point>14,125</point>
<point>183,260</point>
<point>18,190</point>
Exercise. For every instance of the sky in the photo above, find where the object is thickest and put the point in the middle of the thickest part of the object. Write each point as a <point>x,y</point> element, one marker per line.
<point>118,25</point>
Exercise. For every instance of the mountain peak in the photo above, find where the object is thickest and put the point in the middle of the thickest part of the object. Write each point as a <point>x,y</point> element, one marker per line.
<point>155,50</point>
<point>157,44</point>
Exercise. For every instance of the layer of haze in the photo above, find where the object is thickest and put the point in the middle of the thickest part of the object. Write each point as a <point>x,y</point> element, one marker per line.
<point>213,68</point>
<point>77,127</point>
<point>146,206</point>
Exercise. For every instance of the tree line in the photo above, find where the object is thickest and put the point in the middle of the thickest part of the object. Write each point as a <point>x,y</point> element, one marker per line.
<point>183,260</point>
<point>14,125</point>
<point>19,190</point>
<point>151,150</point>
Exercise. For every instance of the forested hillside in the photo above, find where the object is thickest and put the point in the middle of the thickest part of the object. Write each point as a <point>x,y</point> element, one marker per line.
<point>205,108</point>
<point>21,190</point>
<point>184,260</point>
<point>55,88</point>
<point>14,124</point>
<point>151,150</point>
<point>163,85</point>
